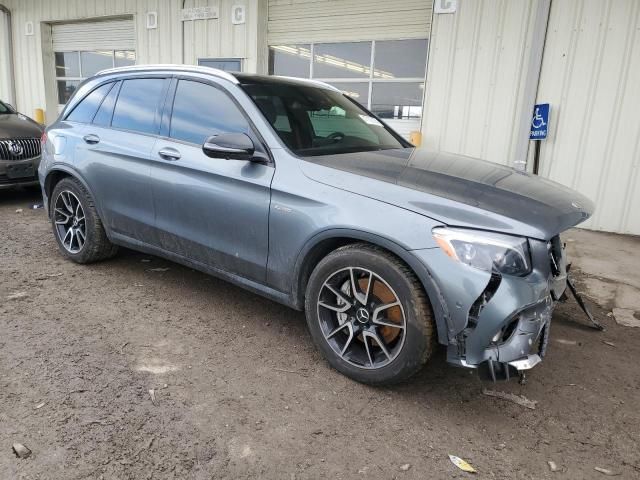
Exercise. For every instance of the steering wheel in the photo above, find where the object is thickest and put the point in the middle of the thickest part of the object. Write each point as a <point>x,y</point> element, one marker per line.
<point>337,136</point>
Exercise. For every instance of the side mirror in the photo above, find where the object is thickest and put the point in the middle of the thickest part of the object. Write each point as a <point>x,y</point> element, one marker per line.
<point>235,146</point>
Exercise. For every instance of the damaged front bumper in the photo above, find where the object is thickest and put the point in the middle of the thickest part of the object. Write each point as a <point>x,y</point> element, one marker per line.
<point>497,323</point>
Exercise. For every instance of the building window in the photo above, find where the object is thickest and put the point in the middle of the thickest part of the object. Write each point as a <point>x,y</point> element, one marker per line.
<point>226,64</point>
<point>73,67</point>
<point>386,76</point>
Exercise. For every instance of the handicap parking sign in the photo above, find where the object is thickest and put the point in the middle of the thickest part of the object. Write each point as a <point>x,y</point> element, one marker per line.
<point>539,122</point>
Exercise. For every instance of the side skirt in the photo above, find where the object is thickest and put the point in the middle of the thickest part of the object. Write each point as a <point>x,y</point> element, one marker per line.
<point>255,287</point>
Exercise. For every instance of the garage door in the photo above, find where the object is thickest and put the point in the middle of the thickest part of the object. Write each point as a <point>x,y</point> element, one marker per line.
<point>302,21</point>
<point>82,49</point>
<point>373,50</point>
<point>109,35</point>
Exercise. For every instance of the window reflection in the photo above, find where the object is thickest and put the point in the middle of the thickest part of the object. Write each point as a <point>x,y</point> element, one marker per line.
<point>93,62</point>
<point>397,100</point>
<point>342,60</point>
<point>73,67</point>
<point>392,87</point>
<point>67,64</point>
<point>401,58</point>
<point>66,89</point>
<point>290,60</point>
<point>124,58</point>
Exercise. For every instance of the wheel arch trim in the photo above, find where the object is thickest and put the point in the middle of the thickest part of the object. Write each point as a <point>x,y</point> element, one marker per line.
<point>72,172</point>
<point>304,264</point>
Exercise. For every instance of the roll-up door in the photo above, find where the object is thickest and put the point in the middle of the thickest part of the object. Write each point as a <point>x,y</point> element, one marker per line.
<point>82,49</point>
<point>303,21</point>
<point>103,35</point>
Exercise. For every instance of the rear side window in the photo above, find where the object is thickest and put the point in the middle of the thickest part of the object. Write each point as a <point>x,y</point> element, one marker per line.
<point>138,105</point>
<point>88,106</point>
<point>201,110</point>
<point>103,117</point>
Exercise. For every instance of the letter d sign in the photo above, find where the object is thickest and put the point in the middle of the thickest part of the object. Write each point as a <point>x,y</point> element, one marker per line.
<point>445,6</point>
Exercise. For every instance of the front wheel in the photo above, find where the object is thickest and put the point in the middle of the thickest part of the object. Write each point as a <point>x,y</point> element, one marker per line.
<point>369,315</point>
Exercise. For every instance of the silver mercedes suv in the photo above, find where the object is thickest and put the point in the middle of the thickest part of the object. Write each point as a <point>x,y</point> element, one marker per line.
<point>294,191</point>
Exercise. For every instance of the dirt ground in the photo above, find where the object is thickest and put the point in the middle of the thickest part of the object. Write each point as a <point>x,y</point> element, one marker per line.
<point>240,392</point>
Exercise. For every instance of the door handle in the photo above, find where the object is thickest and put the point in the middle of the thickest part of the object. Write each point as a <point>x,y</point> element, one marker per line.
<point>169,153</point>
<point>91,139</point>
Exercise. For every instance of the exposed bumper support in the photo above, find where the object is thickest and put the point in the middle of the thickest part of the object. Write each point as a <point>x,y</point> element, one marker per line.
<point>526,363</point>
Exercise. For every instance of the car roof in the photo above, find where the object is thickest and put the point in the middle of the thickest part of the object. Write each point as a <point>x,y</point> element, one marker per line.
<point>236,78</point>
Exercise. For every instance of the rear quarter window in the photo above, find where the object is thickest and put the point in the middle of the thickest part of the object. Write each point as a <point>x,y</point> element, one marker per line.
<point>84,111</point>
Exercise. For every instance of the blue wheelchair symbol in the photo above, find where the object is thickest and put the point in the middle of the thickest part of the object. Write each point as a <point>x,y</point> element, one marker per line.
<point>539,122</point>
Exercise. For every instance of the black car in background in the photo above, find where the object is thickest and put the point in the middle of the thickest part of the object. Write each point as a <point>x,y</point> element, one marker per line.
<point>19,148</point>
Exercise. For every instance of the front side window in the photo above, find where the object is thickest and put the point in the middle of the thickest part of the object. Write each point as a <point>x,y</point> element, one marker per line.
<point>138,105</point>
<point>317,121</point>
<point>73,67</point>
<point>201,110</point>
<point>84,111</point>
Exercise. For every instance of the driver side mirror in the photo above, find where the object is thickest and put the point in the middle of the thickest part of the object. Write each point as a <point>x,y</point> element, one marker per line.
<point>232,146</point>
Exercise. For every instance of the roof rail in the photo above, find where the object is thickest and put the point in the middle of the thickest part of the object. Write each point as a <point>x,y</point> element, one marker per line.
<point>169,66</point>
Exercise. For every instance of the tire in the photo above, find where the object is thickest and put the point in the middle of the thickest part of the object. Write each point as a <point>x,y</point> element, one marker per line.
<point>398,352</point>
<point>63,207</point>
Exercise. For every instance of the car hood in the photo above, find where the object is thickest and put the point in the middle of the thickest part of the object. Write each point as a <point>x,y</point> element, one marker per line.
<point>456,190</point>
<point>16,125</point>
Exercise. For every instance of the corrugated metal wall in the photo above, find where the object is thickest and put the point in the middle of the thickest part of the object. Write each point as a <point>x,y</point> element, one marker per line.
<point>476,78</point>
<point>219,38</point>
<point>292,21</point>
<point>590,74</point>
<point>203,38</point>
<point>591,77</point>
<point>6,80</point>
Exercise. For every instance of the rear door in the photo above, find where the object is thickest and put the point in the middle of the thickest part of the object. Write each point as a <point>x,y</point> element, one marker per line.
<point>116,162</point>
<point>211,210</point>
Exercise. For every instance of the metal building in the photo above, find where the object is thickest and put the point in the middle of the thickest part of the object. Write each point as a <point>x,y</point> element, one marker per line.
<point>466,73</point>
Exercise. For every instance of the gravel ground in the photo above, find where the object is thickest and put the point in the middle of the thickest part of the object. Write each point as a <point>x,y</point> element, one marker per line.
<point>240,392</point>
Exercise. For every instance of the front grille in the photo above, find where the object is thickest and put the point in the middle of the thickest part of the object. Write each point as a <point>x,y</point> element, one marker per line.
<point>4,180</point>
<point>26,147</point>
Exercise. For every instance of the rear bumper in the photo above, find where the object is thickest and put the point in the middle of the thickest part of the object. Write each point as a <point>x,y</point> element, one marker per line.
<point>497,321</point>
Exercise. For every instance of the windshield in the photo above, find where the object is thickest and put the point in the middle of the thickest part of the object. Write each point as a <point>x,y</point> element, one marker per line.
<point>4,108</point>
<point>317,121</point>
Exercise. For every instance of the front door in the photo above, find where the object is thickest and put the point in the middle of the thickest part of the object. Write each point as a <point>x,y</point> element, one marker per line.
<point>210,210</point>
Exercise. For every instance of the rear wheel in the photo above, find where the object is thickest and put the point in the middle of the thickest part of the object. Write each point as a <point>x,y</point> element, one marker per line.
<point>369,316</point>
<point>76,226</point>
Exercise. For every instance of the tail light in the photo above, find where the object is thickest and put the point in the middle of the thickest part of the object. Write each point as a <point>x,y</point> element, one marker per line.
<point>43,138</point>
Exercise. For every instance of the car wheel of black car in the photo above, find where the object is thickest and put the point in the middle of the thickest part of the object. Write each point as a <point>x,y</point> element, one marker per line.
<point>369,315</point>
<point>76,225</point>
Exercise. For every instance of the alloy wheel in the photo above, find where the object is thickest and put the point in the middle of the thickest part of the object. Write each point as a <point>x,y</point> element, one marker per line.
<point>70,222</point>
<point>361,317</point>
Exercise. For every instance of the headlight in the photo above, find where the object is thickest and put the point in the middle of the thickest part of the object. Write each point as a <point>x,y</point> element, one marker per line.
<point>485,250</point>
